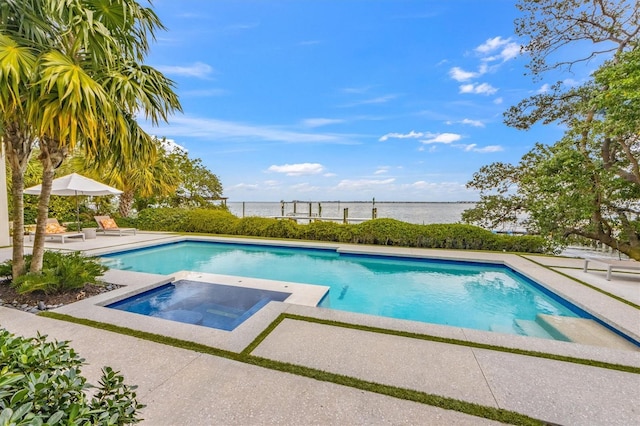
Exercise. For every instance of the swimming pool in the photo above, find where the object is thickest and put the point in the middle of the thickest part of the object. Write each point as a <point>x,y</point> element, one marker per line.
<point>467,294</point>
<point>192,302</point>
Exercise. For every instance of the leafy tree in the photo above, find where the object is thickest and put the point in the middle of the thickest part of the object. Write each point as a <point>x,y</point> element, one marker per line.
<point>198,187</point>
<point>148,176</point>
<point>588,183</point>
<point>73,76</point>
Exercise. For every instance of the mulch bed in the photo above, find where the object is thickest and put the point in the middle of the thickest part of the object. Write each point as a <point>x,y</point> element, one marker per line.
<point>8,295</point>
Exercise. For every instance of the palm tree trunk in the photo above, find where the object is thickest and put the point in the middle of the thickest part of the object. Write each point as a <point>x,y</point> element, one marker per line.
<point>126,203</point>
<point>18,145</point>
<point>52,155</point>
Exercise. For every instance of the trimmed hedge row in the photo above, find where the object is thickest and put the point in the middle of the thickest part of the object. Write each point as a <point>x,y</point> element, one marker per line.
<point>388,232</point>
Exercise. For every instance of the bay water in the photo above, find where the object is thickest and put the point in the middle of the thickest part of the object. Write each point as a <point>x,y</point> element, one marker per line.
<point>411,212</point>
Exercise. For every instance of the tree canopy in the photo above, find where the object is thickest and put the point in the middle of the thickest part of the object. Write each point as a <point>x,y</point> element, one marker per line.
<point>588,183</point>
<point>72,75</point>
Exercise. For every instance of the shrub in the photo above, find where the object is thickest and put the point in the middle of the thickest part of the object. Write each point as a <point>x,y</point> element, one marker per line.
<point>252,226</point>
<point>60,272</point>
<point>163,219</point>
<point>378,231</point>
<point>275,228</point>
<point>383,232</point>
<point>210,221</point>
<point>327,231</point>
<point>41,383</point>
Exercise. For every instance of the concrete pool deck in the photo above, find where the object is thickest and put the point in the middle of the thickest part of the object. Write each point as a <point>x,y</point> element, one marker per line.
<point>181,386</point>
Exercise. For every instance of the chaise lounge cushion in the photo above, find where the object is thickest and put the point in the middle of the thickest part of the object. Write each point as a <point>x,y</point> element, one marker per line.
<point>54,228</point>
<point>109,224</point>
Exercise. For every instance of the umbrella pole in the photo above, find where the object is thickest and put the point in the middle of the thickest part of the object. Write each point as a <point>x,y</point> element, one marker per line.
<point>77,211</point>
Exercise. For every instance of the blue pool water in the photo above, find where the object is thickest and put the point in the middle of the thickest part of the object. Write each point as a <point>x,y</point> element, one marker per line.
<point>211,305</point>
<point>480,296</point>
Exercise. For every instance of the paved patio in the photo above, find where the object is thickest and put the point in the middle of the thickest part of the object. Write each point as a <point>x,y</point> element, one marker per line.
<point>183,387</point>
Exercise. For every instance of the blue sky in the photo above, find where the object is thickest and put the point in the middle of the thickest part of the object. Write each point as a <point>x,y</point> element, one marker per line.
<point>401,100</point>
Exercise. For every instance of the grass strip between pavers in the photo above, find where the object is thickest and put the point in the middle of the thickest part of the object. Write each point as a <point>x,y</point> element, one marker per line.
<point>473,409</point>
<point>451,341</point>
<point>598,289</point>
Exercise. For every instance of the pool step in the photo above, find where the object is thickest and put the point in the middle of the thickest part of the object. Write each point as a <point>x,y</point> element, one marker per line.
<point>585,331</point>
<point>533,329</point>
<point>506,329</point>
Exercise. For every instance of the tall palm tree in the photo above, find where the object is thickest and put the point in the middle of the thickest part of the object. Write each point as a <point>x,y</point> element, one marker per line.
<point>17,64</point>
<point>82,87</point>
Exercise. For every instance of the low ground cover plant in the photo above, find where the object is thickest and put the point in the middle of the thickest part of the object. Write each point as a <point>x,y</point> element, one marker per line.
<point>41,383</point>
<point>388,232</point>
<point>61,272</point>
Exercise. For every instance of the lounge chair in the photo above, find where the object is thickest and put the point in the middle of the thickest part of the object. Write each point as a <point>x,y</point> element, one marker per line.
<point>612,264</point>
<point>54,230</point>
<point>109,226</point>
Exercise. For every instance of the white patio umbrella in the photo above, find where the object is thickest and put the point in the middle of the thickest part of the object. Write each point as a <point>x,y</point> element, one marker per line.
<point>74,185</point>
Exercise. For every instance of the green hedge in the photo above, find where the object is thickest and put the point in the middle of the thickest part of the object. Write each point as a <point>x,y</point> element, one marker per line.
<point>389,232</point>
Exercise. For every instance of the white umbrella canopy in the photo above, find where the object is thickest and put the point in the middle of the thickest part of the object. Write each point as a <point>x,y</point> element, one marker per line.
<point>74,185</point>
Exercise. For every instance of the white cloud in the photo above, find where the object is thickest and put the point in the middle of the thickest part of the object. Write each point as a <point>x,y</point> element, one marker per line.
<point>309,43</point>
<point>363,184</point>
<point>304,187</point>
<point>378,100</point>
<point>198,70</point>
<point>478,89</point>
<point>543,89</point>
<point>445,138</point>
<point>318,122</point>
<point>495,49</point>
<point>489,148</point>
<point>458,74</point>
<point>357,90</point>
<point>245,186</point>
<point>439,190</point>
<point>468,122</point>
<point>504,49</point>
<point>298,169</point>
<point>498,101</point>
<point>491,45</point>
<point>512,50</point>
<point>382,170</point>
<point>211,129</point>
<point>271,183</point>
<point>474,148</point>
<point>411,135</point>
<point>474,123</point>
<point>329,175</point>
<point>169,145</point>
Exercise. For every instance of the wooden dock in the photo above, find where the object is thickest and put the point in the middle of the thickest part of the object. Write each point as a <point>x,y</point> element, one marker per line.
<point>322,218</point>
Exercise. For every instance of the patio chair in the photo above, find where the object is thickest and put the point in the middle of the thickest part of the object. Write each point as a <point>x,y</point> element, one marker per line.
<point>109,226</point>
<point>54,230</point>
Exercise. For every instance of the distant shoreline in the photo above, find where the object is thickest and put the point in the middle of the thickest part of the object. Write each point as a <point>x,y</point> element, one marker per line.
<point>359,202</point>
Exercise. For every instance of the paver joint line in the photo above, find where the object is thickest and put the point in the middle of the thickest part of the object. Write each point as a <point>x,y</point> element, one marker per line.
<point>175,374</point>
<point>484,376</point>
